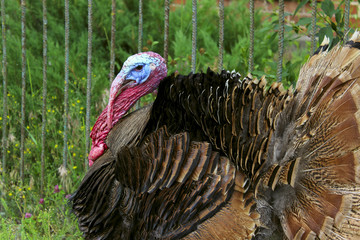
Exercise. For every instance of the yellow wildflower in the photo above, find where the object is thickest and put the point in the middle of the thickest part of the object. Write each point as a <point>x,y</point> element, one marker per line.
<point>10,194</point>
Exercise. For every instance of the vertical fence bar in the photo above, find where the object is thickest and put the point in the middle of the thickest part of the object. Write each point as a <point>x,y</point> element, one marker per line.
<point>166,30</point>
<point>252,30</point>
<point>112,44</point>
<point>194,35</point>
<point>43,126</point>
<point>88,88</point>
<point>4,74</point>
<point>23,91</point>
<point>313,26</point>
<point>346,20</point>
<point>281,39</point>
<point>140,37</point>
<point>66,88</point>
<point>221,34</point>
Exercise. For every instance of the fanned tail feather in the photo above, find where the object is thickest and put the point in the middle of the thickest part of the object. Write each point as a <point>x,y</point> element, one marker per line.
<point>326,192</point>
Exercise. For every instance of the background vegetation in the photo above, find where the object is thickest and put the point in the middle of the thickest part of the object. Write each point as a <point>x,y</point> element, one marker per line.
<point>26,213</point>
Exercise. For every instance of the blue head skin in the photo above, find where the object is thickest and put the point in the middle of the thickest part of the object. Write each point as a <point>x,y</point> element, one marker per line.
<point>140,73</point>
<point>137,69</point>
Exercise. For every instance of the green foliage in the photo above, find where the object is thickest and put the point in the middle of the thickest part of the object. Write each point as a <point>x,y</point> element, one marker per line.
<point>50,220</point>
<point>330,21</point>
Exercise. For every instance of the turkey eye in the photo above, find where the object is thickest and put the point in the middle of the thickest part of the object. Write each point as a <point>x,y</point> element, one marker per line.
<point>138,68</point>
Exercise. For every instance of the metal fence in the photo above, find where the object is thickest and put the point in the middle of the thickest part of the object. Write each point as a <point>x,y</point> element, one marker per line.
<point>112,6</point>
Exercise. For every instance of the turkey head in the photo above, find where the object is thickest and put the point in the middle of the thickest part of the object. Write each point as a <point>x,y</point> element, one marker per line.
<point>140,75</point>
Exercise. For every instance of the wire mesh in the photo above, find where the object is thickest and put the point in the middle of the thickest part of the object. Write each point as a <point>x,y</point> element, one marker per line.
<point>281,39</point>
<point>88,86</point>
<point>194,35</point>
<point>221,34</point>
<point>23,89</point>
<point>43,125</point>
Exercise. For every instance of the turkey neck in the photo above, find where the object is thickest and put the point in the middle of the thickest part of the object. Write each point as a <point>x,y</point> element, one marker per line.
<point>123,102</point>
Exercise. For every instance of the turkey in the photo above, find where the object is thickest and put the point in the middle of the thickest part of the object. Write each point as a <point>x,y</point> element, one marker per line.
<point>216,157</point>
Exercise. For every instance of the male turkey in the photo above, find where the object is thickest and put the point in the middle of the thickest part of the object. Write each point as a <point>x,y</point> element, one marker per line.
<point>216,157</point>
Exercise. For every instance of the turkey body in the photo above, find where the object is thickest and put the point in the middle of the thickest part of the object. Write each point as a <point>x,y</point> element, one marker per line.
<point>164,189</point>
<point>216,157</point>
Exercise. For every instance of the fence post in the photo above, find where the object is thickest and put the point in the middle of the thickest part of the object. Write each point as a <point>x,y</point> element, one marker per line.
<point>313,26</point>
<point>221,35</point>
<point>4,73</point>
<point>346,20</point>
<point>43,126</point>
<point>251,45</point>
<point>194,35</point>
<point>281,40</point>
<point>140,37</point>
<point>166,30</point>
<point>66,88</point>
<point>88,87</point>
<point>23,90</point>
<point>112,46</point>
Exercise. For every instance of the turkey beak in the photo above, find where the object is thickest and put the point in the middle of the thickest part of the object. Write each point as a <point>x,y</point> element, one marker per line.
<point>119,84</point>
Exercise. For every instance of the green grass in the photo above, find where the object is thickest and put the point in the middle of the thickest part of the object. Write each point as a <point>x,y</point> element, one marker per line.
<point>28,218</point>
<point>52,219</point>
